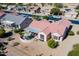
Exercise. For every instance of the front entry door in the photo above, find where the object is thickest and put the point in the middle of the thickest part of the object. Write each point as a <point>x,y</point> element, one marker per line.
<point>41,37</point>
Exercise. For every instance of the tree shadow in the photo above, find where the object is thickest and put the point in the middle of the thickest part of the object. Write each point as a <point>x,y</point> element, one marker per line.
<point>2,55</point>
<point>67,32</point>
<point>8,34</point>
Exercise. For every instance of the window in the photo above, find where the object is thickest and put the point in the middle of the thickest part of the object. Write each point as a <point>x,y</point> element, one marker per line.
<point>13,25</point>
<point>16,26</point>
<point>41,37</point>
<point>55,37</point>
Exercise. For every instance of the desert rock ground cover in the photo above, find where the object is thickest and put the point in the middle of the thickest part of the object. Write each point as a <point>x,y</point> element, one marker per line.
<point>41,48</point>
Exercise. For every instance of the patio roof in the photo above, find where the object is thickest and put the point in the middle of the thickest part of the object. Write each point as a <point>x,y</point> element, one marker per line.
<point>35,30</point>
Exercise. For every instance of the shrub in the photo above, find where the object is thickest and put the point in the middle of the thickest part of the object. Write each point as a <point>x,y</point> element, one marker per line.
<point>77,32</point>
<point>52,43</point>
<point>55,11</point>
<point>45,17</point>
<point>2,48</point>
<point>21,33</point>
<point>65,6</point>
<point>71,33</point>
<point>76,46</point>
<point>16,43</point>
<point>18,30</point>
<point>2,32</point>
<point>58,5</point>
<point>74,51</point>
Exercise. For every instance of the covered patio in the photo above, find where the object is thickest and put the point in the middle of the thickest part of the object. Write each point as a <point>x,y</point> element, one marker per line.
<point>30,33</point>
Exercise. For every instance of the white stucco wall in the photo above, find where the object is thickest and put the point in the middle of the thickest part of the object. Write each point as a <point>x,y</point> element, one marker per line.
<point>61,39</point>
<point>45,39</point>
<point>19,26</point>
<point>70,16</point>
<point>58,35</point>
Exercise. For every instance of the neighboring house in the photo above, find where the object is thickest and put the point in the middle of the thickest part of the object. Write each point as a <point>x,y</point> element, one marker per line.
<point>71,14</point>
<point>14,20</point>
<point>44,29</point>
<point>9,7</point>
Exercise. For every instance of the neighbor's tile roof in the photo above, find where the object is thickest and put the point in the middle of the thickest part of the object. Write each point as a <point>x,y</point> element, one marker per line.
<point>1,13</point>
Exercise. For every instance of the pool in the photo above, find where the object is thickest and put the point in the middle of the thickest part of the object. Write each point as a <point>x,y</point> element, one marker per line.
<point>74,21</point>
<point>25,14</point>
<point>56,18</point>
<point>19,13</point>
<point>29,37</point>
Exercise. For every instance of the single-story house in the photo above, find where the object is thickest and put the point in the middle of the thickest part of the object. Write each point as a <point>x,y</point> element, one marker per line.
<point>44,29</point>
<point>14,20</point>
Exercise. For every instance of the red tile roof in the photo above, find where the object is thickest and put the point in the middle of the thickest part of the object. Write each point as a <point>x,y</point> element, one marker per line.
<point>41,25</point>
<point>1,13</point>
<point>46,27</point>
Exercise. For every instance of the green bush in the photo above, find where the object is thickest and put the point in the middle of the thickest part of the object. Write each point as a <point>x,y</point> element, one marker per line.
<point>74,51</point>
<point>76,46</point>
<point>71,33</point>
<point>65,6</point>
<point>55,11</point>
<point>21,33</point>
<point>16,43</point>
<point>2,32</point>
<point>58,5</point>
<point>77,32</point>
<point>18,30</point>
<point>45,17</point>
<point>52,43</point>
